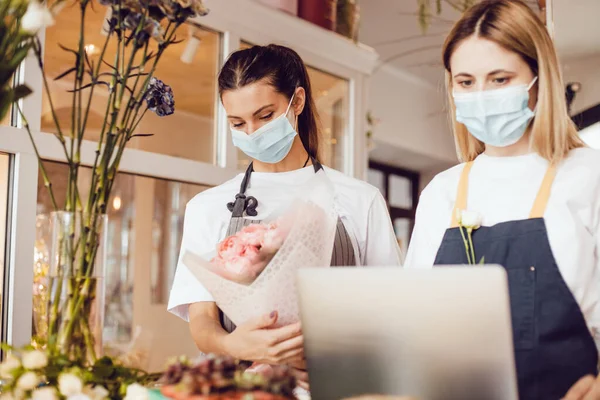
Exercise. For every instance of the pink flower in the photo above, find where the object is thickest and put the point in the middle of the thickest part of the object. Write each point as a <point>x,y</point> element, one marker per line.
<point>230,247</point>
<point>251,253</point>
<point>252,235</point>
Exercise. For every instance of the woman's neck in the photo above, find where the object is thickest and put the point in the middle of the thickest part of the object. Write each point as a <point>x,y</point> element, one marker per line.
<point>295,159</point>
<point>520,148</point>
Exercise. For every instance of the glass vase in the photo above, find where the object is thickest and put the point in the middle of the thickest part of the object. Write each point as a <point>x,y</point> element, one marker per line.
<point>75,285</point>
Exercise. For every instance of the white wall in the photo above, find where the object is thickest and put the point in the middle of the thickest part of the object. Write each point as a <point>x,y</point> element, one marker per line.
<point>413,131</point>
<point>587,72</point>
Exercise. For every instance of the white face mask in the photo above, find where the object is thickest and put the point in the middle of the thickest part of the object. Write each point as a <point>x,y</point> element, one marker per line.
<point>498,117</point>
<point>270,143</point>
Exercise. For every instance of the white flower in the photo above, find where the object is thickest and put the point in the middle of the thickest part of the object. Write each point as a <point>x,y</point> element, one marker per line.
<point>136,391</point>
<point>8,366</point>
<point>35,359</point>
<point>36,18</point>
<point>28,381</point>
<point>45,393</point>
<point>96,392</point>
<point>79,396</point>
<point>69,384</point>
<point>470,219</point>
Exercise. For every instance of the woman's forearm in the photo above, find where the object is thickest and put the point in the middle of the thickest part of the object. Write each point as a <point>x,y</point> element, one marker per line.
<point>206,329</point>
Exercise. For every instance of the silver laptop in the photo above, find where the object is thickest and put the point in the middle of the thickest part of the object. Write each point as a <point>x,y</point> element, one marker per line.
<point>437,333</point>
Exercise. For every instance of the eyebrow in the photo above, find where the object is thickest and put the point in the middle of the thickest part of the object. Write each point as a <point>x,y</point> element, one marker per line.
<point>255,112</point>
<point>494,72</point>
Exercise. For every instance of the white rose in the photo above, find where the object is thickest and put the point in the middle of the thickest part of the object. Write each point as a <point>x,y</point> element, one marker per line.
<point>96,392</point>
<point>28,381</point>
<point>470,219</point>
<point>35,359</point>
<point>45,393</point>
<point>36,17</point>
<point>69,384</point>
<point>79,396</point>
<point>136,391</point>
<point>8,366</point>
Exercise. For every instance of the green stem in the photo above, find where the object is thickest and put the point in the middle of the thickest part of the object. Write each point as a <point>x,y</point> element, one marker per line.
<point>59,135</point>
<point>43,171</point>
<point>466,244</point>
<point>470,234</point>
<point>88,340</point>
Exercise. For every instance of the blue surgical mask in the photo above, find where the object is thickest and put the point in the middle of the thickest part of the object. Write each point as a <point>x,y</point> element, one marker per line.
<point>497,117</point>
<point>270,143</point>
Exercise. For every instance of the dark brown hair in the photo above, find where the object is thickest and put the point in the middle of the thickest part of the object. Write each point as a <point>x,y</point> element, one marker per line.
<point>282,68</point>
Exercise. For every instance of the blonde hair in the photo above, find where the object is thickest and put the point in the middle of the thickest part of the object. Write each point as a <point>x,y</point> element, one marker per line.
<point>514,26</point>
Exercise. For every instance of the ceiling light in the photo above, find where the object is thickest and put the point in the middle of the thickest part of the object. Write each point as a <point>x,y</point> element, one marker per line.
<point>117,203</point>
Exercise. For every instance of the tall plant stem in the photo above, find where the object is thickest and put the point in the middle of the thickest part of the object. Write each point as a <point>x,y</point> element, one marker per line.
<point>43,171</point>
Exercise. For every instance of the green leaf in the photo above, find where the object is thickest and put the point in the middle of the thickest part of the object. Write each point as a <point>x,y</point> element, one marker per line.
<point>21,91</point>
<point>103,368</point>
<point>65,73</point>
<point>482,261</point>
<point>142,135</point>
<point>18,57</point>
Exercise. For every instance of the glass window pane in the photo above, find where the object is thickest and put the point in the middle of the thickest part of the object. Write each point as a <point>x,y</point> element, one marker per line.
<point>402,228</point>
<point>377,179</point>
<point>143,214</point>
<point>4,197</point>
<point>400,192</point>
<point>331,98</point>
<point>170,199</point>
<point>189,67</point>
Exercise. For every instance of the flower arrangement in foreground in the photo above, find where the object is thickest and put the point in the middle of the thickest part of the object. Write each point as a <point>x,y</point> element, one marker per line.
<point>34,374</point>
<point>224,378</point>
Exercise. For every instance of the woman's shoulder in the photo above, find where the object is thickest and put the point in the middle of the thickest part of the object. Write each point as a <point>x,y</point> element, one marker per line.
<point>444,184</point>
<point>349,187</point>
<point>215,197</point>
<point>578,177</point>
<point>583,158</point>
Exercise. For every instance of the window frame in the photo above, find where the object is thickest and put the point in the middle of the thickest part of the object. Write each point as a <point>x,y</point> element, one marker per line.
<point>412,176</point>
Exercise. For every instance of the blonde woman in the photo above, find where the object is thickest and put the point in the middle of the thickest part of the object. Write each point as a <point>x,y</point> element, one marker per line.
<point>534,186</point>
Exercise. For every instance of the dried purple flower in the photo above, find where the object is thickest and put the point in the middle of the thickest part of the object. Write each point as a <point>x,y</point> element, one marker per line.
<point>180,10</point>
<point>159,98</point>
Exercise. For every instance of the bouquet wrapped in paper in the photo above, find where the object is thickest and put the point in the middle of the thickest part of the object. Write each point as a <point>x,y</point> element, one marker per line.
<point>253,272</point>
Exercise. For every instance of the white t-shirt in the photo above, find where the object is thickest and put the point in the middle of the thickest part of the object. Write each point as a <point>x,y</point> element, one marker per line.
<point>360,206</point>
<point>503,189</point>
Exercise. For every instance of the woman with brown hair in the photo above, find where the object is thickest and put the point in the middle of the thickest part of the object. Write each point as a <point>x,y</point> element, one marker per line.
<point>266,93</point>
<point>531,185</point>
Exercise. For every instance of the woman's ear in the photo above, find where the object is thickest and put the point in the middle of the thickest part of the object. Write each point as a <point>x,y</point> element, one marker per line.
<point>299,101</point>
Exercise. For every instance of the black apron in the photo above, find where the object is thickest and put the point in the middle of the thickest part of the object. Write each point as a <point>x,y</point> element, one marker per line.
<point>343,250</point>
<point>553,345</point>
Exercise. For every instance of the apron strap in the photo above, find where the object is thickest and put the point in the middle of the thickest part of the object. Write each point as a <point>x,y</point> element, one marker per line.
<point>539,206</point>
<point>242,203</point>
<point>461,194</point>
<point>541,201</point>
